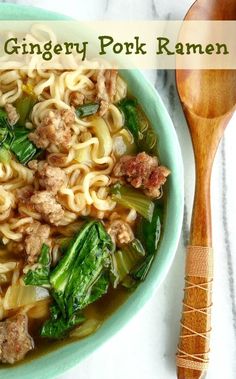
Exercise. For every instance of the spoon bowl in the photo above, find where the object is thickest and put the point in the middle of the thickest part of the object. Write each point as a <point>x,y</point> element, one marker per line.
<point>207,93</point>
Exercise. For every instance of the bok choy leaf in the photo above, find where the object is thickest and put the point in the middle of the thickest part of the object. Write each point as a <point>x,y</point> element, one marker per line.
<point>40,276</point>
<point>149,232</point>
<point>6,131</point>
<point>58,326</point>
<point>80,278</point>
<point>15,139</point>
<point>22,147</point>
<point>125,260</point>
<point>87,109</point>
<point>129,109</point>
<point>5,155</point>
<point>3,119</point>
<point>24,106</point>
<point>137,124</point>
<point>133,199</point>
<point>86,260</point>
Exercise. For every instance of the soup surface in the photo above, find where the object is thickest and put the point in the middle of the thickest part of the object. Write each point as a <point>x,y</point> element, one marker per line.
<point>80,204</point>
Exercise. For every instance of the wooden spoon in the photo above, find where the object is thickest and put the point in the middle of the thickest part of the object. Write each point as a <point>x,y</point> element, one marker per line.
<point>208,98</point>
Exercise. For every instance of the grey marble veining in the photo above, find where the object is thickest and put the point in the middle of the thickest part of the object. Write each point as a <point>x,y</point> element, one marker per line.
<point>230,267</point>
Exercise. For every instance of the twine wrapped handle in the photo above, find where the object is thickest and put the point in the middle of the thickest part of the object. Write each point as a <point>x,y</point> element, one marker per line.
<point>193,348</point>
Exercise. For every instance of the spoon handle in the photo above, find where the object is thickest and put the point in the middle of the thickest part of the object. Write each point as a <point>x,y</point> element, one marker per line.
<point>193,348</point>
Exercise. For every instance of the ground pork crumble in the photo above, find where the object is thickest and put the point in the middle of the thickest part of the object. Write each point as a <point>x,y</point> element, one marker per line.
<point>76,99</point>
<point>45,203</point>
<point>142,171</point>
<point>55,128</point>
<point>12,114</point>
<point>120,232</point>
<point>15,341</point>
<point>49,177</point>
<point>36,235</point>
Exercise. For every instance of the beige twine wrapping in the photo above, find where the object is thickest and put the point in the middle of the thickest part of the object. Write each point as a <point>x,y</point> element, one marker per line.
<point>199,263</point>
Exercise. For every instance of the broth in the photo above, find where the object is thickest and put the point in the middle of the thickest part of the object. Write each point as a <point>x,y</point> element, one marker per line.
<point>101,310</point>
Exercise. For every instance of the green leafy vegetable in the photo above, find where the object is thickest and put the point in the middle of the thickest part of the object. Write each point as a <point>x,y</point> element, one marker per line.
<point>3,135</point>
<point>129,109</point>
<point>99,288</point>
<point>149,233</point>
<point>24,106</point>
<point>22,147</point>
<point>134,199</point>
<point>61,274</point>
<point>87,109</point>
<point>148,141</point>
<point>58,326</point>
<point>87,258</point>
<point>137,124</point>
<point>40,276</point>
<point>142,271</point>
<point>80,278</point>
<point>16,140</point>
<point>6,133</point>
<point>131,263</point>
<point>3,119</point>
<point>63,242</point>
<point>125,260</point>
<point>95,255</point>
<point>10,138</point>
<point>5,155</point>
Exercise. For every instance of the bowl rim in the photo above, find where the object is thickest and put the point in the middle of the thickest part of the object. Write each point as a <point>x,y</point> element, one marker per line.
<point>114,323</point>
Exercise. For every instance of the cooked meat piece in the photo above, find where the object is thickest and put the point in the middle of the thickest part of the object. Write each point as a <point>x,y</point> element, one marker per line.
<point>136,168</point>
<point>24,194</point>
<point>57,160</point>
<point>106,87</point>
<point>45,203</point>
<point>156,179</point>
<point>120,232</point>
<point>12,114</point>
<point>76,99</point>
<point>15,341</point>
<point>36,236</point>
<point>142,171</point>
<point>50,178</point>
<point>55,129</point>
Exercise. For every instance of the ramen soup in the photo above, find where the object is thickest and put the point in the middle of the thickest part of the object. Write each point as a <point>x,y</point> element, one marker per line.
<point>80,215</point>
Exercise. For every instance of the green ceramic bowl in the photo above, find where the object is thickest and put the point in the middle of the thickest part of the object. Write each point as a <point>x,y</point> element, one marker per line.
<point>56,362</point>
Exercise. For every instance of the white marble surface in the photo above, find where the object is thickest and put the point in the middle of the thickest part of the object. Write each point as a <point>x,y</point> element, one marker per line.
<point>146,347</point>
